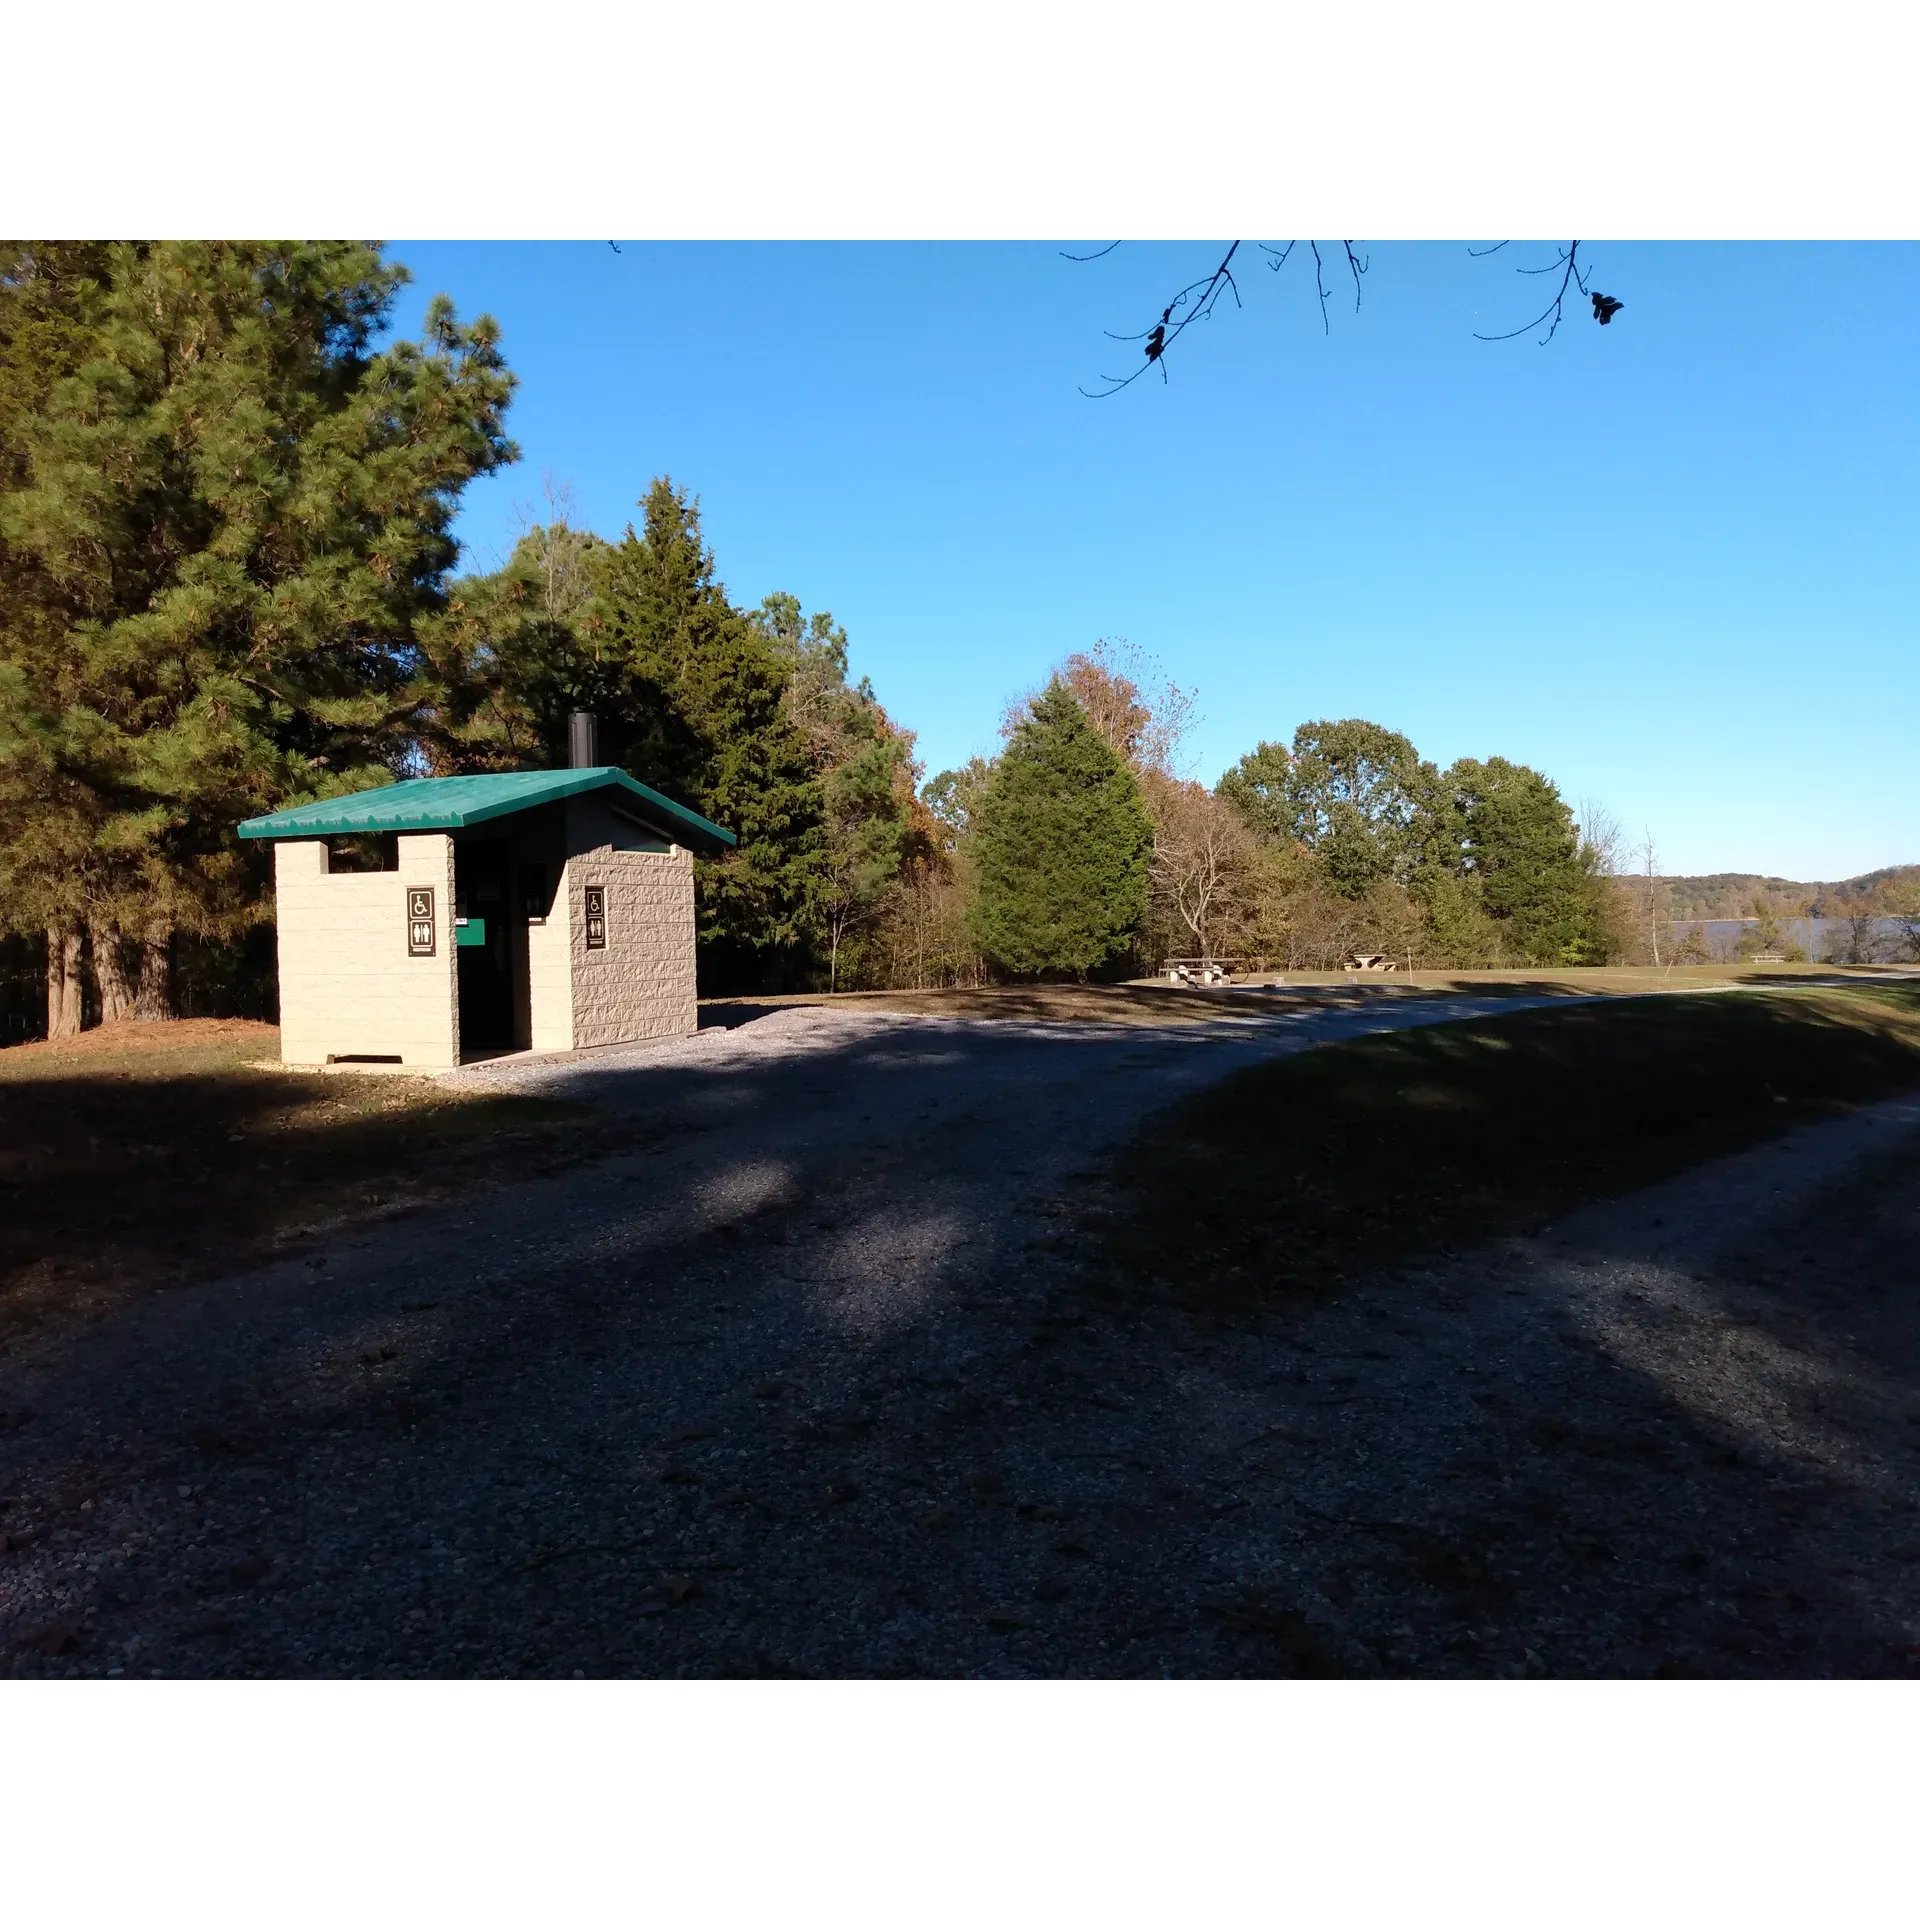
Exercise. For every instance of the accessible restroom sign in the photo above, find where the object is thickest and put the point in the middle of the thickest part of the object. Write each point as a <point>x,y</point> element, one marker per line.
<point>420,920</point>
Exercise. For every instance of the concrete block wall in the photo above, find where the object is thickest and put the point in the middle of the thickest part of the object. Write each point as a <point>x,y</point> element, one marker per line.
<point>640,985</point>
<point>550,975</point>
<point>348,983</point>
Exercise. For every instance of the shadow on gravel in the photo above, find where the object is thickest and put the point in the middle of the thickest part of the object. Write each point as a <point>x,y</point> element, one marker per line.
<point>813,1385</point>
<point>544,1383</point>
<point>1707,1468</point>
<point>728,1014</point>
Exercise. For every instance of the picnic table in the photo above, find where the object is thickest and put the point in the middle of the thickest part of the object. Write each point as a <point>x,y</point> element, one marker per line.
<point>1202,972</point>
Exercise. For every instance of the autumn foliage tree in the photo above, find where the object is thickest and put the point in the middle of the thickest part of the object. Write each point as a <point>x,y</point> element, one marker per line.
<point>1205,863</point>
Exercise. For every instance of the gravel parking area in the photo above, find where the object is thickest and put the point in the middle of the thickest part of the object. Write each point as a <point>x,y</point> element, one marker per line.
<point>817,1384</point>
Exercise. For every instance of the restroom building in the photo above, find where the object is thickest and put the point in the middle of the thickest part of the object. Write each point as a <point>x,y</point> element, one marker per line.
<point>433,921</point>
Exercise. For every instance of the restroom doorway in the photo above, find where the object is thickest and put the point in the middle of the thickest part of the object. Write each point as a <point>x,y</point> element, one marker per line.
<point>483,944</point>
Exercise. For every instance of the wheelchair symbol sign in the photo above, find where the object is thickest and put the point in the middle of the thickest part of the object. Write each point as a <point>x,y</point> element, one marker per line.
<point>420,920</point>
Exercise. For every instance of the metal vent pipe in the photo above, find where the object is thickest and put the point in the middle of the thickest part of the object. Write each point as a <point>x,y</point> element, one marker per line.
<point>583,740</point>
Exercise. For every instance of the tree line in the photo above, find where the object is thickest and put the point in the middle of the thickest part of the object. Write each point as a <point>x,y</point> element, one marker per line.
<point>1730,896</point>
<point>1083,847</point>
<point>227,584</point>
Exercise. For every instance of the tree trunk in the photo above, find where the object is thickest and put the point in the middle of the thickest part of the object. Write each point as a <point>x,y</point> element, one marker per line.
<point>155,998</point>
<point>63,983</point>
<point>110,975</point>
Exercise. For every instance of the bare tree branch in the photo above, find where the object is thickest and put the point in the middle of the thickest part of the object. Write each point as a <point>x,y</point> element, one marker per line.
<point>1357,268</point>
<point>1569,258</point>
<point>1195,301</point>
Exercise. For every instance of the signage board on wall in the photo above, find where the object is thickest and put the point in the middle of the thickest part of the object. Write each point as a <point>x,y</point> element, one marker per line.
<point>420,921</point>
<point>596,912</point>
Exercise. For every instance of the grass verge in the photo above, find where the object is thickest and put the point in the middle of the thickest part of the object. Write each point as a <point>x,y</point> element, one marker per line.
<point>142,1156</point>
<point>1138,1003</point>
<point>1277,1185</point>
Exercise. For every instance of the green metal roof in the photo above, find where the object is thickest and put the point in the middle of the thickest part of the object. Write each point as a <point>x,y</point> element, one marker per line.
<point>469,799</point>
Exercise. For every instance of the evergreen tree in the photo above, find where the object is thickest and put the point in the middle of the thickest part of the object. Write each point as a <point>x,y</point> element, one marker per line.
<point>511,659</point>
<point>48,293</point>
<point>713,728</point>
<point>691,698</point>
<point>232,512</point>
<point>1060,841</point>
<point>813,659</point>
<point>865,765</point>
<point>1519,842</point>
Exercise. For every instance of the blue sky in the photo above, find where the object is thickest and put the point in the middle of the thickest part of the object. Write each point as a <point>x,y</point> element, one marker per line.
<point>1672,563</point>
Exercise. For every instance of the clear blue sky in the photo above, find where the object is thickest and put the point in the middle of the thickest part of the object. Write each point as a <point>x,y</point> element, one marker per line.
<point>1672,563</point>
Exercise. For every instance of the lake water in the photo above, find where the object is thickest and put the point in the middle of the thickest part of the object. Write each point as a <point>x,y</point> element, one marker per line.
<point>1817,939</point>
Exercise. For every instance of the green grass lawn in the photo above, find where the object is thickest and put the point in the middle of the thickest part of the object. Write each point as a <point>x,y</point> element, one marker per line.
<point>140,1156</point>
<point>1274,1187</point>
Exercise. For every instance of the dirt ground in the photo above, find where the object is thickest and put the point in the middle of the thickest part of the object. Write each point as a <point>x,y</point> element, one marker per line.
<point>818,1382</point>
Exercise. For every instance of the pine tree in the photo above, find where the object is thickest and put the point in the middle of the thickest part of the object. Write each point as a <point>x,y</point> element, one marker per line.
<point>233,513</point>
<point>48,295</point>
<point>1061,842</point>
<point>703,719</point>
<point>872,817</point>
<point>690,696</point>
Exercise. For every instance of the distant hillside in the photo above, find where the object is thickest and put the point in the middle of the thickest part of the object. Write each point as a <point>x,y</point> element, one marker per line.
<point>1729,896</point>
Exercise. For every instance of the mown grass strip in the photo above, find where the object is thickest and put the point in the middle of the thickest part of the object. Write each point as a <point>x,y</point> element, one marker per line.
<point>1274,1187</point>
<point>1156,1003</point>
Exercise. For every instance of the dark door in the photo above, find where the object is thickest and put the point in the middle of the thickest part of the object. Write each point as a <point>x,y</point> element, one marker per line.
<point>485,953</point>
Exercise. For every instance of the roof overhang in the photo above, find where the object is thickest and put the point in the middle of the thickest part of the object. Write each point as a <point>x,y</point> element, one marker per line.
<point>473,799</point>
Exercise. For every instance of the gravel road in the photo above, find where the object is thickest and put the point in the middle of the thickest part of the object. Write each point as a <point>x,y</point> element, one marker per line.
<point>810,1386</point>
